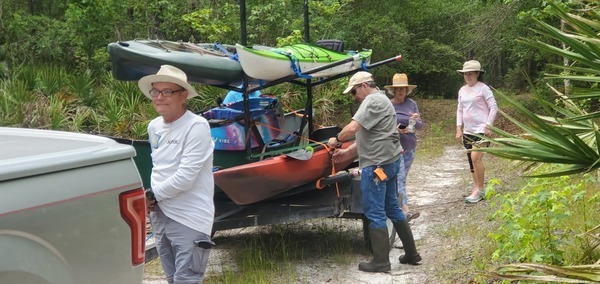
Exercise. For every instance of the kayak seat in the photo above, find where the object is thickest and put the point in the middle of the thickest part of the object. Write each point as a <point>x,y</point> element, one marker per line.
<point>282,142</point>
<point>333,44</point>
<point>324,133</point>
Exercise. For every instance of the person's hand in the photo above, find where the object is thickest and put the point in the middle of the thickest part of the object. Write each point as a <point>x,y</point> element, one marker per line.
<point>487,131</point>
<point>414,115</point>
<point>459,135</point>
<point>150,201</point>
<point>341,155</point>
<point>150,204</point>
<point>402,130</point>
<point>333,143</point>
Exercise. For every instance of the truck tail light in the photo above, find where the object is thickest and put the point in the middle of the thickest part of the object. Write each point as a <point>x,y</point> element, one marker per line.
<point>133,210</point>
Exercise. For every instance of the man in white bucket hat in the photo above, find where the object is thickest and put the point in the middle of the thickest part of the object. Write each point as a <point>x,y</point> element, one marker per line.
<point>475,114</point>
<point>378,148</point>
<point>180,199</point>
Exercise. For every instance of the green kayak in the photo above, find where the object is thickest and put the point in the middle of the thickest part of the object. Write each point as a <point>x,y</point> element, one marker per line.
<point>205,63</point>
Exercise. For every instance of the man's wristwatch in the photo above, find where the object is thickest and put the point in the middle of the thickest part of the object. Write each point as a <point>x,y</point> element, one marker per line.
<point>150,194</point>
<point>337,138</point>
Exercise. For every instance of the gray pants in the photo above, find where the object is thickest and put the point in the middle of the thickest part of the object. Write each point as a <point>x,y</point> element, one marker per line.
<point>182,259</point>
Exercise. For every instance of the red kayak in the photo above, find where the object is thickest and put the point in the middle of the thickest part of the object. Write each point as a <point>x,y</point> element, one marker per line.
<point>257,181</point>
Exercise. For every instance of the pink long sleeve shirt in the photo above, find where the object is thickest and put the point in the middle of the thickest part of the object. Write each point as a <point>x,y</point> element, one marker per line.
<point>476,108</point>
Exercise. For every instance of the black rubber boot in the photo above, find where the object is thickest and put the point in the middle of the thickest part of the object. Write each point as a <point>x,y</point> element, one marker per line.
<point>381,252</point>
<point>410,249</point>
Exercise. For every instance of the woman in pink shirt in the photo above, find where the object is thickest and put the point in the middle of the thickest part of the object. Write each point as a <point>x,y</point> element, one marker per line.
<point>475,113</point>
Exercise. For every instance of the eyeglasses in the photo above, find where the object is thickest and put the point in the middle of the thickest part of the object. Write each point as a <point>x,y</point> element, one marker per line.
<point>353,90</point>
<point>166,92</point>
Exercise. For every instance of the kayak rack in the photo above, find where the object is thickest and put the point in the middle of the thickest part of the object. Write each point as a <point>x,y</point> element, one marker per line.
<point>308,84</point>
<point>337,196</point>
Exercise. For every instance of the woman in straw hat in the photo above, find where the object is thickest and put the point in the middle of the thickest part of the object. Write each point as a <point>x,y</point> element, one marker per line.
<point>406,110</point>
<point>475,114</point>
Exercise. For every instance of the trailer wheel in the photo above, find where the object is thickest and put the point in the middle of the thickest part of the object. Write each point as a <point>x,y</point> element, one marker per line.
<point>391,232</point>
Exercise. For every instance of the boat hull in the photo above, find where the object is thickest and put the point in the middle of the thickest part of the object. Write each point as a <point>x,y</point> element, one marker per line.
<point>203,63</point>
<point>257,181</point>
<point>275,63</point>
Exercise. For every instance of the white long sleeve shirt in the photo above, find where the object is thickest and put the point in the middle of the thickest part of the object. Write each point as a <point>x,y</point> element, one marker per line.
<point>476,108</point>
<point>182,178</point>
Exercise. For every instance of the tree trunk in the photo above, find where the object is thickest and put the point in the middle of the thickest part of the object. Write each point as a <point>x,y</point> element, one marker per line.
<point>566,82</point>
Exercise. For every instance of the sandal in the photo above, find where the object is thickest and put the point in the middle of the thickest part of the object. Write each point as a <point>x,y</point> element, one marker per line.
<point>410,216</point>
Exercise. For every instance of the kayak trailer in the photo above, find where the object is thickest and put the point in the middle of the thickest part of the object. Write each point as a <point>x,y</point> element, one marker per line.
<point>336,196</point>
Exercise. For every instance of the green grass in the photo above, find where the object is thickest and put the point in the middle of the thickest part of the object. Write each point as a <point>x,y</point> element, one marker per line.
<point>271,254</point>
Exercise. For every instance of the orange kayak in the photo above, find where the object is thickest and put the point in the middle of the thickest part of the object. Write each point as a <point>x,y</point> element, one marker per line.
<point>257,181</point>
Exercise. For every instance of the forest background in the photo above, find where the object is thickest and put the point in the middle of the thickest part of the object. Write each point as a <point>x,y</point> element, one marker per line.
<point>434,37</point>
<point>65,42</point>
<point>55,74</point>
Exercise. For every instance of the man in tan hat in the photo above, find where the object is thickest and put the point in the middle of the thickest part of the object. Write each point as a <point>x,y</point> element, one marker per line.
<point>180,199</point>
<point>409,120</point>
<point>378,149</point>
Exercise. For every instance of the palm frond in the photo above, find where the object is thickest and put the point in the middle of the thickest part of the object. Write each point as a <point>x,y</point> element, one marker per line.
<point>548,273</point>
<point>544,143</point>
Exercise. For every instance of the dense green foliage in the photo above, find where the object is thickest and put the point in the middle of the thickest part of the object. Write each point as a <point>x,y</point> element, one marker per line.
<point>537,219</point>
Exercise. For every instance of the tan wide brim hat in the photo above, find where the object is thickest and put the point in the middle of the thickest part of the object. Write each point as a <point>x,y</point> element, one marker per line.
<point>471,66</point>
<point>168,74</point>
<point>358,78</point>
<point>400,80</point>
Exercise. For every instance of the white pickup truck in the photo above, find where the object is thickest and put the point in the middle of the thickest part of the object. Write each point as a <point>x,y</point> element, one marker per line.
<point>72,209</point>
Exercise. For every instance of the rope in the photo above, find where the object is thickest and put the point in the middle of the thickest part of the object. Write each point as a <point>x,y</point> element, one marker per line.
<point>333,171</point>
<point>295,112</point>
<point>224,50</point>
<point>293,64</point>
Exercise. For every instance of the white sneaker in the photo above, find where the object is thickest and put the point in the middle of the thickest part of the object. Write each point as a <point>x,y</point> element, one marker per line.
<point>474,199</point>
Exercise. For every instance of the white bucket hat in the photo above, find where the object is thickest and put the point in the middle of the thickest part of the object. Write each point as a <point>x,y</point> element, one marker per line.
<point>168,74</point>
<point>358,78</point>
<point>471,66</point>
<point>400,80</point>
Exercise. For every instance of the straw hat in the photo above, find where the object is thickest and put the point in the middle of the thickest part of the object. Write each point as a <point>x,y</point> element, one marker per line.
<point>400,80</point>
<point>471,66</point>
<point>168,74</point>
<point>358,78</point>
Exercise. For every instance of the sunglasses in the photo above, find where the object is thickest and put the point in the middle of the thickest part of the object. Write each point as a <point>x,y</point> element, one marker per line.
<point>353,90</point>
